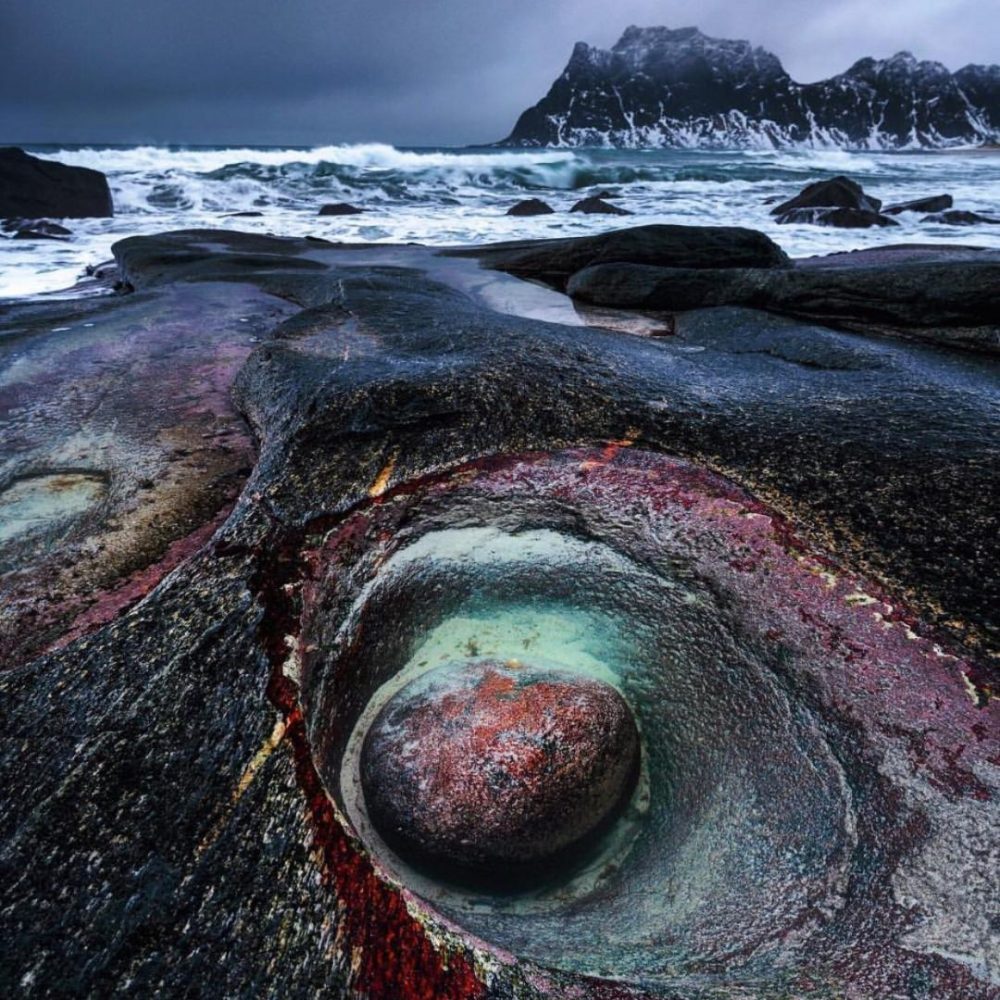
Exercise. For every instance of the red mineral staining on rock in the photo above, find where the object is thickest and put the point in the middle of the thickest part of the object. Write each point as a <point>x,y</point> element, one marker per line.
<point>492,770</point>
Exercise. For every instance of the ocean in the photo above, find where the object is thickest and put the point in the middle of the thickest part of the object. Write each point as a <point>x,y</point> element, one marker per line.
<point>460,196</point>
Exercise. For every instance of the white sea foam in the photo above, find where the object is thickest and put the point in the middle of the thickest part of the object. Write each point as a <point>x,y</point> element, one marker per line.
<point>452,196</point>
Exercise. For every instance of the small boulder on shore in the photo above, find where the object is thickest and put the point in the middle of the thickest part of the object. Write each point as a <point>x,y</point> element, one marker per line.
<point>31,188</point>
<point>838,202</point>
<point>598,206</point>
<point>531,206</point>
<point>935,203</point>
<point>340,208</point>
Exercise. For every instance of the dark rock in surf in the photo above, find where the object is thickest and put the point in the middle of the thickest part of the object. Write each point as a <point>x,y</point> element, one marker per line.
<point>838,202</point>
<point>936,203</point>
<point>31,188</point>
<point>838,192</point>
<point>37,233</point>
<point>531,206</point>
<point>340,208</point>
<point>36,229</point>
<point>35,225</point>
<point>598,206</point>
<point>840,218</point>
<point>960,218</point>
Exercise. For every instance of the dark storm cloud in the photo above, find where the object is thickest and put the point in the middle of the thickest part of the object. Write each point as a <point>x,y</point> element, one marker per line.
<point>405,71</point>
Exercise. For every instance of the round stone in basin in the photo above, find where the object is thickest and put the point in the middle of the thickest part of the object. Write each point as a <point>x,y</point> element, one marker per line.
<point>494,769</point>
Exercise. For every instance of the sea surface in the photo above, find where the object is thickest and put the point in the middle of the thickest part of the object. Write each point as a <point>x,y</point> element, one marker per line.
<point>459,196</point>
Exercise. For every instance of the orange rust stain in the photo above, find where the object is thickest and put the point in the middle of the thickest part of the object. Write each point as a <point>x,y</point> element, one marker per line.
<point>610,450</point>
<point>381,483</point>
<point>246,780</point>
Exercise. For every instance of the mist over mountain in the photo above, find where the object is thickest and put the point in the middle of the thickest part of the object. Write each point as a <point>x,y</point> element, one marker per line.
<point>659,87</point>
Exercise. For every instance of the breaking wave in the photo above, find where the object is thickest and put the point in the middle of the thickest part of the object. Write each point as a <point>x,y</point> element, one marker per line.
<point>450,196</point>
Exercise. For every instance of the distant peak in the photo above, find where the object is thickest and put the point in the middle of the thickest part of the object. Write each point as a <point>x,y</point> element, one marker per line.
<point>665,86</point>
<point>634,35</point>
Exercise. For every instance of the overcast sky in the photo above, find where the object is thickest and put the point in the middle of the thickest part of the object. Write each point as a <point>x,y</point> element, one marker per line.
<point>411,72</point>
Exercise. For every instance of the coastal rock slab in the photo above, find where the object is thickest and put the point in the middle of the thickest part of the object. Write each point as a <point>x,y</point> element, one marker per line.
<point>947,296</point>
<point>839,192</point>
<point>839,202</point>
<point>819,679</point>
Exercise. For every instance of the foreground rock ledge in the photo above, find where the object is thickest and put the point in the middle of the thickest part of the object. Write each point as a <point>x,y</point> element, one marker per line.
<point>164,823</point>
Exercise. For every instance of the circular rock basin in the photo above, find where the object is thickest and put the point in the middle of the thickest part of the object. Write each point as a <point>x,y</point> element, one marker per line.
<point>489,770</point>
<point>802,811</point>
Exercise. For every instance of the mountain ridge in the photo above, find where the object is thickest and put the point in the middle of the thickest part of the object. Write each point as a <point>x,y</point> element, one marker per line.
<point>663,87</point>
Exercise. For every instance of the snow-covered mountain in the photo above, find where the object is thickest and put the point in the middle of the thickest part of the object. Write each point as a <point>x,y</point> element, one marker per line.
<point>663,87</point>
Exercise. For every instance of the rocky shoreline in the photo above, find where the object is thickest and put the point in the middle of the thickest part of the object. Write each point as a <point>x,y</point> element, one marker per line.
<point>792,509</point>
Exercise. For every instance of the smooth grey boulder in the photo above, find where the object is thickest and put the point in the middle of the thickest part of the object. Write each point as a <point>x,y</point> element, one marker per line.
<point>31,188</point>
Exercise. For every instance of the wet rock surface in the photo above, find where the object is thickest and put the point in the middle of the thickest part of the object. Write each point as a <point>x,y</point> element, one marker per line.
<point>493,769</point>
<point>815,574</point>
<point>31,188</point>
